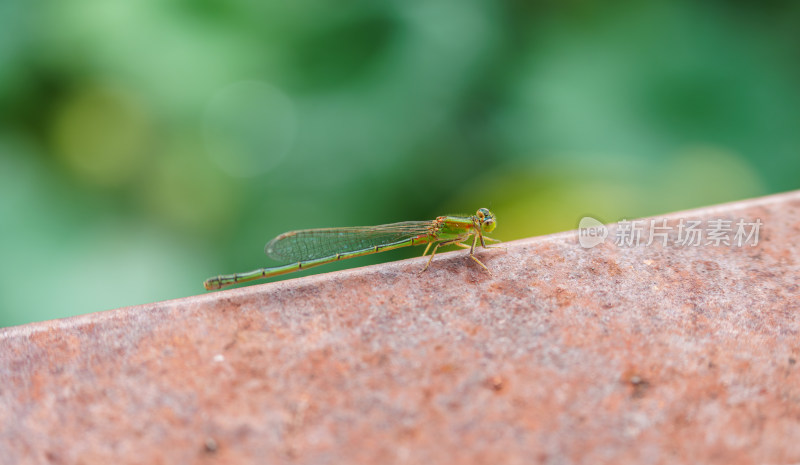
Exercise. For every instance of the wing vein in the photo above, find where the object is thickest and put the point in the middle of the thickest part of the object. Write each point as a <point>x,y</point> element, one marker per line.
<point>310,244</point>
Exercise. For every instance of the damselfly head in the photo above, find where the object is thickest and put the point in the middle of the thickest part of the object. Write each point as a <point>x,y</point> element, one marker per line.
<point>486,219</point>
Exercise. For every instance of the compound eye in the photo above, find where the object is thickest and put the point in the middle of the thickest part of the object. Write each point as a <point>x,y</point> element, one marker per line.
<point>481,216</point>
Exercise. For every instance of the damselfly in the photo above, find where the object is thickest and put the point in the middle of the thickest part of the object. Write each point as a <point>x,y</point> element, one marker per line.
<point>313,247</point>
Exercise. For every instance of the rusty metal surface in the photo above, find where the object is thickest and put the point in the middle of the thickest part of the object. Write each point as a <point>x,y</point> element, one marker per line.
<point>565,355</point>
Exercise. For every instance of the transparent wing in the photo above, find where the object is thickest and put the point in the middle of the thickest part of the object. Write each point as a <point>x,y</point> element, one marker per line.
<point>310,244</point>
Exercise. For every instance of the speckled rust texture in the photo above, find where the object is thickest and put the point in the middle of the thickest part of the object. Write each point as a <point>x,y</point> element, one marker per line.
<point>565,355</point>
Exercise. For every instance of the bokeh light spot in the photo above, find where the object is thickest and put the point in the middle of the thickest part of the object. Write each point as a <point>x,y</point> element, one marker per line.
<point>102,135</point>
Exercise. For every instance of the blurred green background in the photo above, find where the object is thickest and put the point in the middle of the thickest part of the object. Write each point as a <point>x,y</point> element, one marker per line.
<point>147,145</point>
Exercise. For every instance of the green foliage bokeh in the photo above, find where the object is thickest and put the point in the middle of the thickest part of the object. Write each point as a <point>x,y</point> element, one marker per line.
<point>147,145</point>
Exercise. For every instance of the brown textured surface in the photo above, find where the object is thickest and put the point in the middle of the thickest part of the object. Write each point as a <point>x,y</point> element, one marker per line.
<point>565,355</point>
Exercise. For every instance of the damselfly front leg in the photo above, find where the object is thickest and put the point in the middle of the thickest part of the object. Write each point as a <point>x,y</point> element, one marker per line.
<point>472,254</point>
<point>460,243</point>
<point>483,244</point>
<point>456,241</point>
